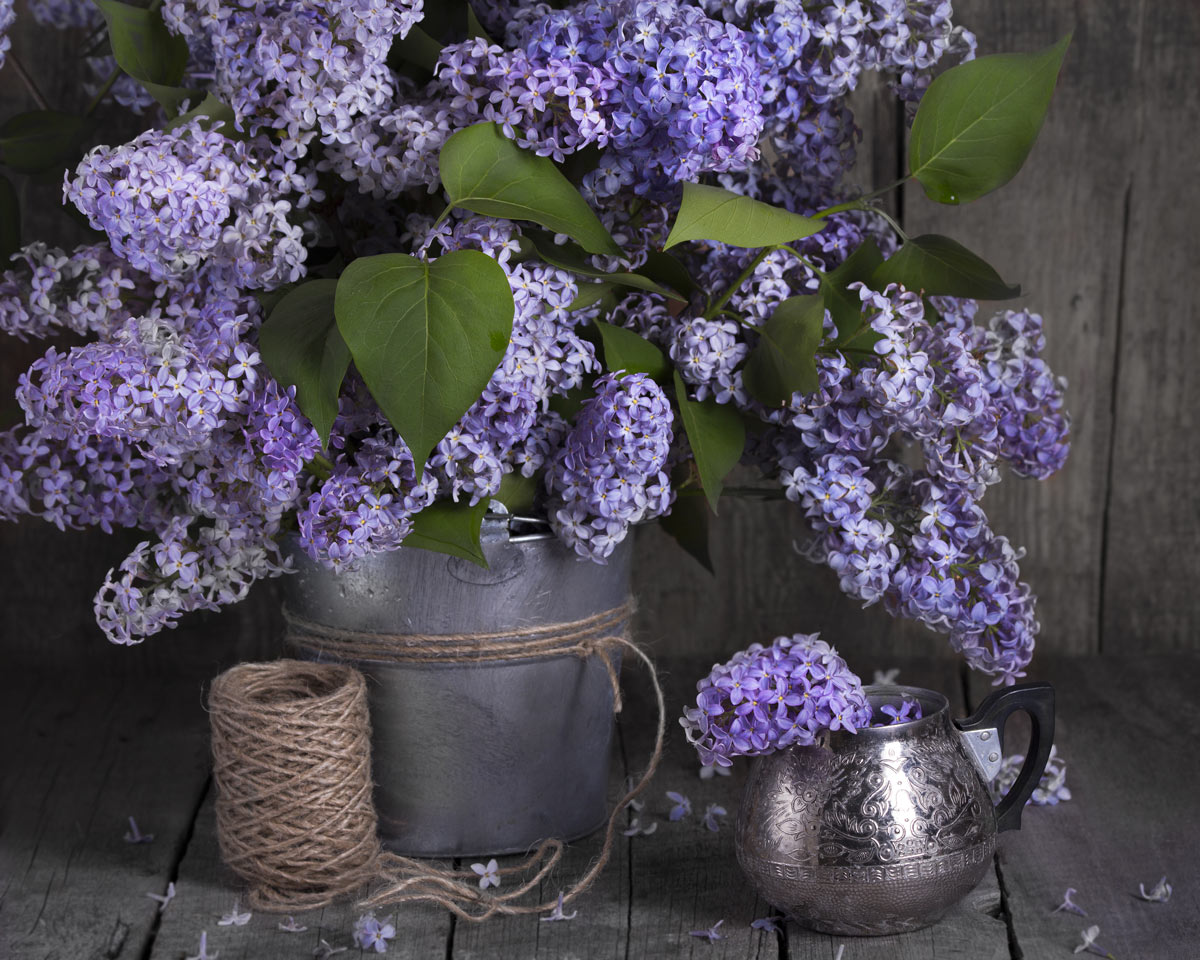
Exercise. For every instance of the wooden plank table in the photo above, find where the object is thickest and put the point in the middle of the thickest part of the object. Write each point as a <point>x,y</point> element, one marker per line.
<point>86,752</point>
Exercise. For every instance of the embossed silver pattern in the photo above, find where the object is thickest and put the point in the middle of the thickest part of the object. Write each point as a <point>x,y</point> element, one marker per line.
<point>871,833</point>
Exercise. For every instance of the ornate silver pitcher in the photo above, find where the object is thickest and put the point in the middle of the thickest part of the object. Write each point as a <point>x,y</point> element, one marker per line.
<point>882,831</point>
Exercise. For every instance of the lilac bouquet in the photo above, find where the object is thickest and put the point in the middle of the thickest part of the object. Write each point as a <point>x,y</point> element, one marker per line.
<point>768,698</point>
<point>372,269</point>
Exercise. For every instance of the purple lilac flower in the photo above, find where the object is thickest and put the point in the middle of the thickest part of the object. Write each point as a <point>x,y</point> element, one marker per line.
<point>557,913</point>
<point>681,808</point>
<point>1069,905</point>
<point>8,17</point>
<point>610,471</point>
<point>767,698</point>
<point>712,934</point>
<point>488,873</point>
<point>908,709</point>
<point>175,201</point>
<point>767,924</point>
<point>370,933</point>
<point>1159,893</point>
<point>711,819</point>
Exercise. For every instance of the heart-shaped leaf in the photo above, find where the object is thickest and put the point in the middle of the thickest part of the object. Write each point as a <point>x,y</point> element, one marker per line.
<point>939,266</point>
<point>844,305</point>
<point>978,121</point>
<point>42,140</point>
<point>449,527</point>
<point>666,269</point>
<point>172,99</point>
<point>485,172</point>
<point>628,351</point>
<point>302,347</point>
<point>210,110</point>
<point>712,213</point>
<point>144,47</point>
<point>426,336</point>
<point>717,437</point>
<point>783,361</point>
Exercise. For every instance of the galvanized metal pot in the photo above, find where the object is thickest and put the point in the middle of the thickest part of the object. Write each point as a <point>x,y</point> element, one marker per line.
<point>489,757</point>
<point>882,831</point>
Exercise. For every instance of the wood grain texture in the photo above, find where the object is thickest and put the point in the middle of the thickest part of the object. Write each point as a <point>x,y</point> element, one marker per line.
<point>1126,727</point>
<point>83,754</point>
<point>1152,514</point>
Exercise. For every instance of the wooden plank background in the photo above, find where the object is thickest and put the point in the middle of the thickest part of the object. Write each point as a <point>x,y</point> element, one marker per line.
<point>1100,230</point>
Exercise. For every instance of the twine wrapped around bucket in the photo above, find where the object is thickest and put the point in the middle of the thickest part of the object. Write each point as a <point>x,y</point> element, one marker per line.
<point>291,751</point>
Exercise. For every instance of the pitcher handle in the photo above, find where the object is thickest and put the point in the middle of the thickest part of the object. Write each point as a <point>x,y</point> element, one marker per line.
<point>1036,699</point>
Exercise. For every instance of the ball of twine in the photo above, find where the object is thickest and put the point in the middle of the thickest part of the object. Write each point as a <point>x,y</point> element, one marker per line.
<point>292,764</point>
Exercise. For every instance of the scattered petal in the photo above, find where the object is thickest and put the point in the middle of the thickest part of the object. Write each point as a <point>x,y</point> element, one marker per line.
<point>134,835</point>
<point>165,898</point>
<point>635,828</point>
<point>1160,893</point>
<point>712,935</point>
<point>234,918</point>
<point>711,813</point>
<point>683,806</point>
<point>886,677</point>
<point>325,950</point>
<point>1069,905</point>
<point>1089,941</point>
<point>204,954</point>
<point>557,912</point>
<point>710,770</point>
<point>291,926</point>
<point>770,924</point>
<point>371,933</point>
<point>841,950</point>
<point>489,875</point>
<point>1051,789</point>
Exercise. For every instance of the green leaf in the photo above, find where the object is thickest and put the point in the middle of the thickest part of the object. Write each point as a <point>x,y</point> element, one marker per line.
<point>666,269</point>
<point>302,347</point>
<point>717,437</point>
<point>214,110</point>
<point>485,172</point>
<point>567,256</point>
<point>416,47</point>
<point>939,266</point>
<point>711,213</point>
<point>569,404</point>
<point>10,221</point>
<point>474,27</point>
<point>593,293</point>
<point>845,306</point>
<point>143,46</point>
<point>688,524</point>
<point>426,336</point>
<point>518,492</point>
<point>42,140</point>
<point>171,98</point>
<point>784,360</point>
<point>631,352</point>
<point>449,527</point>
<point>977,122</point>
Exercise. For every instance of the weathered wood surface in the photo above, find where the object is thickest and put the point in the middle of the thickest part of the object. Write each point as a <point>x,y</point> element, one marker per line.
<point>88,752</point>
<point>1127,728</point>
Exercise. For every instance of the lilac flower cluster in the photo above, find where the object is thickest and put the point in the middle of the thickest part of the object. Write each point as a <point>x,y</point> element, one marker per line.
<point>8,17</point>
<point>767,698</point>
<point>1051,790</point>
<point>173,202</point>
<point>302,70</point>
<point>611,470</point>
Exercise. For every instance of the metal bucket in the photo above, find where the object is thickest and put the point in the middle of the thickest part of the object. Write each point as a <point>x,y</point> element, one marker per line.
<point>489,757</point>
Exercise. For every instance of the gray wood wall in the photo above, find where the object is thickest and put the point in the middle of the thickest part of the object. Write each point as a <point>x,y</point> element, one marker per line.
<point>1099,228</point>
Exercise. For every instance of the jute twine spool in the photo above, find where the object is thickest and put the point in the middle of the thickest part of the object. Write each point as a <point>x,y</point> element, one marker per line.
<point>291,747</point>
<point>292,763</point>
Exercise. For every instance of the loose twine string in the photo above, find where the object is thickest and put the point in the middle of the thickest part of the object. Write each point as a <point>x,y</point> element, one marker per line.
<point>292,764</point>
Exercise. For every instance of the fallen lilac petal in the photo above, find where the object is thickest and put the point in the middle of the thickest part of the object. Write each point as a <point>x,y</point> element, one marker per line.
<point>325,950</point>
<point>204,954</point>
<point>489,875</point>
<point>290,925</point>
<point>886,677</point>
<point>770,924</point>
<point>1069,905</point>
<point>1089,939</point>
<point>683,806</point>
<point>711,813</point>
<point>134,835</point>
<point>164,898</point>
<point>234,918</point>
<point>1160,893</point>
<point>635,828</point>
<point>710,770</point>
<point>557,912</point>
<point>841,950</point>
<point>711,934</point>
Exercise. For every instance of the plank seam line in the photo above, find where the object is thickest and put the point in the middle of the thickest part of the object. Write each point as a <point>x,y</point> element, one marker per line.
<point>1014,945</point>
<point>1114,408</point>
<point>181,850</point>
